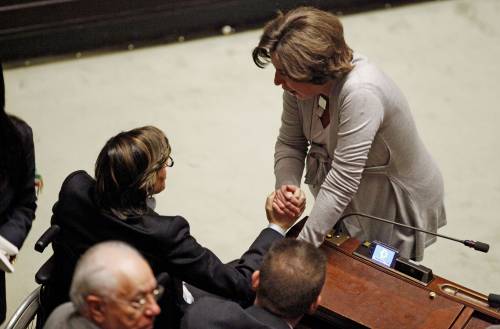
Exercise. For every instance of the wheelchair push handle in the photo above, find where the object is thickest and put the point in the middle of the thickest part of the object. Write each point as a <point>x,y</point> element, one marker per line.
<point>46,238</point>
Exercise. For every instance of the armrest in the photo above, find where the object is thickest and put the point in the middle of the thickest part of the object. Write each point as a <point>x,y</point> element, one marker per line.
<point>46,238</point>
<point>42,276</point>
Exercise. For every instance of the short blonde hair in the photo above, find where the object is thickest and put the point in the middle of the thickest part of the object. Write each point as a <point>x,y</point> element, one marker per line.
<point>309,44</point>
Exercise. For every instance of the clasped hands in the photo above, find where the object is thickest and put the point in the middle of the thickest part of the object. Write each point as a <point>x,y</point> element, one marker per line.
<point>285,205</point>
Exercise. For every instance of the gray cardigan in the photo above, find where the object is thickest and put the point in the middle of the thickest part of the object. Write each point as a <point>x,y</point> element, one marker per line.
<point>369,159</point>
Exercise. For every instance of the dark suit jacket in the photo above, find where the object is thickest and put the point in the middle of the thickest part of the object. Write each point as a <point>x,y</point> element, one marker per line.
<point>216,313</point>
<point>165,241</point>
<point>18,203</point>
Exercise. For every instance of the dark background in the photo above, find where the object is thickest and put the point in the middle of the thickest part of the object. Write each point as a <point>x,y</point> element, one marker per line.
<point>30,28</point>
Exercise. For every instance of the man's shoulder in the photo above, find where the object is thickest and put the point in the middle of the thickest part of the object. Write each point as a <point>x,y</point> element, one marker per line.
<point>218,313</point>
<point>205,304</point>
<point>59,315</point>
<point>65,316</point>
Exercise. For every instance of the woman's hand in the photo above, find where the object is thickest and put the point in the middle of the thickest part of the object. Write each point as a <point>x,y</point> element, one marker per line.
<point>292,199</point>
<point>289,201</point>
<point>283,220</point>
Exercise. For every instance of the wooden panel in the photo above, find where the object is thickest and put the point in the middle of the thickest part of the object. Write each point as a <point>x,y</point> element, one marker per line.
<point>481,321</point>
<point>377,299</point>
<point>466,296</point>
<point>464,317</point>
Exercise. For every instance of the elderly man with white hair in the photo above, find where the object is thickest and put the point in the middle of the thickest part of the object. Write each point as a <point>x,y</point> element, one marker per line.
<point>113,287</point>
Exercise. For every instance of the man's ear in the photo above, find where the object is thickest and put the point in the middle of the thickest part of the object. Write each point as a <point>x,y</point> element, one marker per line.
<point>314,306</point>
<point>255,280</point>
<point>95,309</point>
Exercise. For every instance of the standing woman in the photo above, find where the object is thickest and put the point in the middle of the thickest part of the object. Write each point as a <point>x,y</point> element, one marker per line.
<point>350,126</point>
<point>17,182</point>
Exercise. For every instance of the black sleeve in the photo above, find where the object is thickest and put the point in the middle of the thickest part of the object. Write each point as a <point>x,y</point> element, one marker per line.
<point>209,312</point>
<point>198,266</point>
<point>18,218</point>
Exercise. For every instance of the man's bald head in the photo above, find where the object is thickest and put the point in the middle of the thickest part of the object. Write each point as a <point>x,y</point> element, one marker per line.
<point>100,269</point>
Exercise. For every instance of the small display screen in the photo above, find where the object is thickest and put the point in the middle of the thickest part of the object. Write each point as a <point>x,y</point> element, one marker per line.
<point>384,255</point>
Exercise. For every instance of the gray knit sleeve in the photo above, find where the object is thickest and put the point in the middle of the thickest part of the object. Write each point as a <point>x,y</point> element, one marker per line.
<point>291,145</point>
<point>360,115</point>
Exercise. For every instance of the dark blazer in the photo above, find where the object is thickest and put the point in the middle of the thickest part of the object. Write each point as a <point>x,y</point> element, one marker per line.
<point>216,313</point>
<point>165,241</point>
<point>18,203</point>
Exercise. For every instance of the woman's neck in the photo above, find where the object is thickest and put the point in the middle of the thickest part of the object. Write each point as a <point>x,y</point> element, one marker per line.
<point>327,87</point>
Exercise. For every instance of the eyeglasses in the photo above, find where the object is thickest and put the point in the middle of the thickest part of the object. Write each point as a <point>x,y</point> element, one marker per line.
<point>170,162</point>
<point>139,303</point>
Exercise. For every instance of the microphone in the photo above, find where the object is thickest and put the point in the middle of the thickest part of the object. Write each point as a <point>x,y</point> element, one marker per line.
<point>494,300</point>
<point>476,245</point>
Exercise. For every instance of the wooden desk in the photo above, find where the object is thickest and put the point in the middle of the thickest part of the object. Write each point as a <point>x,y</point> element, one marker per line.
<point>361,294</point>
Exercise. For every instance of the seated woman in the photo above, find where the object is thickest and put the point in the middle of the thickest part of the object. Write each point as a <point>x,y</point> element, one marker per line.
<point>131,168</point>
<point>17,182</point>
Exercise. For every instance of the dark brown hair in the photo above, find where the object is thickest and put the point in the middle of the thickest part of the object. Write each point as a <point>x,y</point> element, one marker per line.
<point>126,170</point>
<point>291,278</point>
<point>308,43</point>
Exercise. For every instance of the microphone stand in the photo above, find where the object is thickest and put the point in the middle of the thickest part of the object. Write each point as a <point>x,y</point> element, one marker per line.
<point>493,299</point>
<point>477,245</point>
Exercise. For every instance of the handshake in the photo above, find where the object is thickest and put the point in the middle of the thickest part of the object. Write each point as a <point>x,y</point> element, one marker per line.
<point>285,205</point>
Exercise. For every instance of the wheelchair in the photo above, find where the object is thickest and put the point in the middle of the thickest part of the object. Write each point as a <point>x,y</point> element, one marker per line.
<point>29,314</point>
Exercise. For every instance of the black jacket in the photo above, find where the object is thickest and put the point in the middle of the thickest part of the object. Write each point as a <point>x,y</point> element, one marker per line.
<point>18,203</point>
<point>216,313</point>
<point>165,241</point>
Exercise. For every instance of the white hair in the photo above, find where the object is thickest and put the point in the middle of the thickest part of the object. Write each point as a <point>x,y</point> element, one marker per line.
<point>95,272</point>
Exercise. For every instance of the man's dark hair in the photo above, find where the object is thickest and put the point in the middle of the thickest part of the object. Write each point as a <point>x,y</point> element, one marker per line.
<point>291,278</point>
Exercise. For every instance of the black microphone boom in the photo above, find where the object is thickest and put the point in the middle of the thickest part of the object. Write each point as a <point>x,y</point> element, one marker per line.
<point>494,300</point>
<point>480,246</point>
